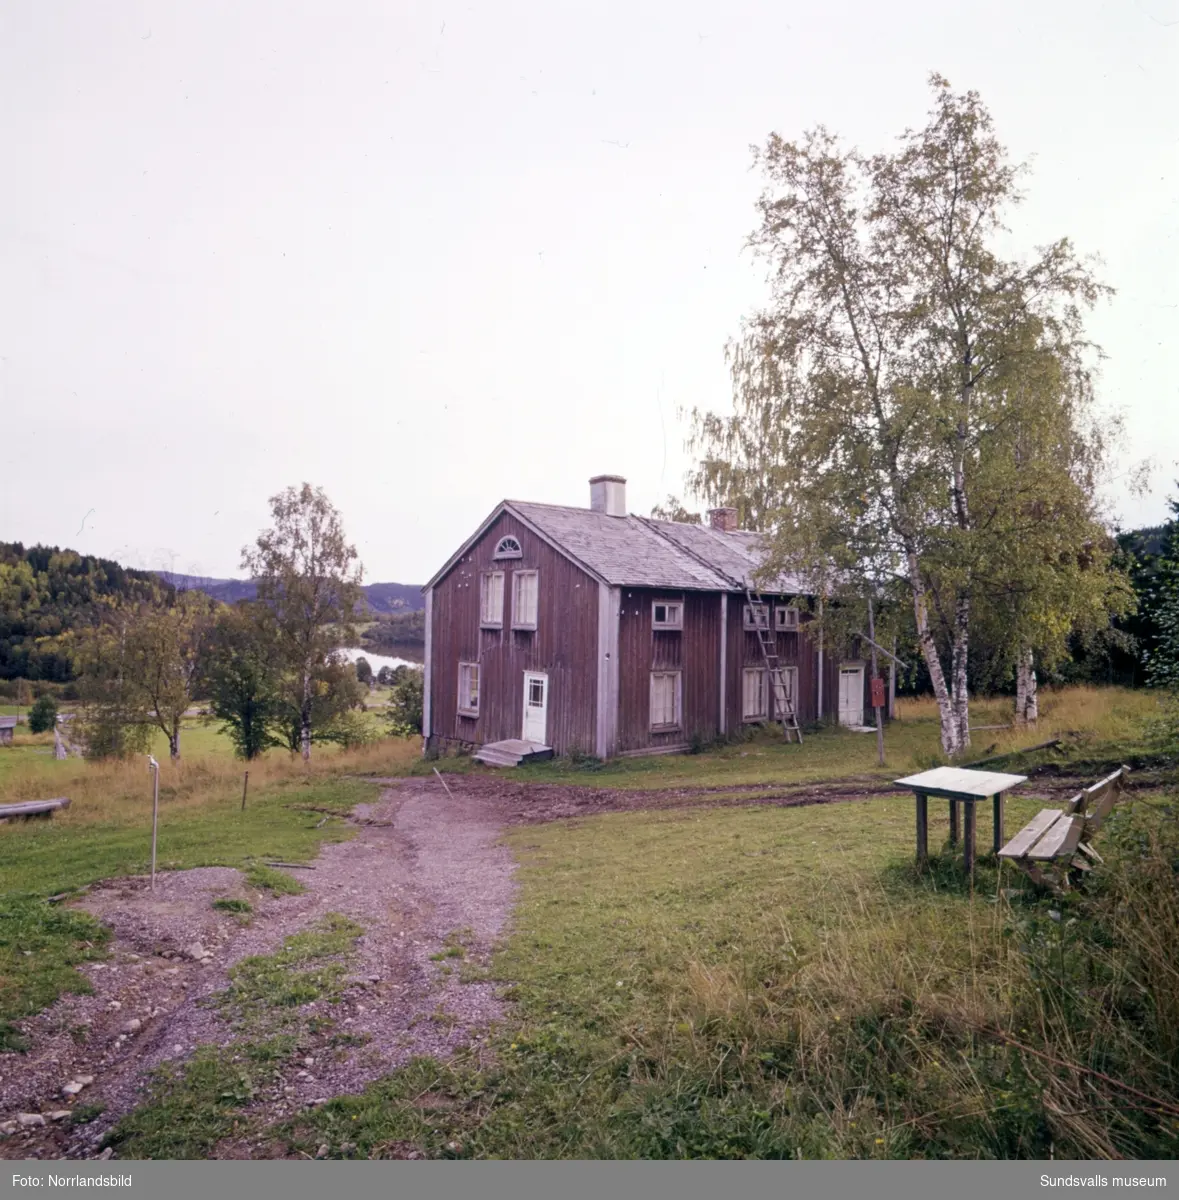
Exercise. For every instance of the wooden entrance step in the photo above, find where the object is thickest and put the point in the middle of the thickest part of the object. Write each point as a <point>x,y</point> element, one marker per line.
<point>511,753</point>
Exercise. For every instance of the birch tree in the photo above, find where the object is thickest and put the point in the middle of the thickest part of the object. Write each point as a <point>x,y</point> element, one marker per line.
<point>866,390</point>
<point>165,658</point>
<point>1046,561</point>
<point>309,576</point>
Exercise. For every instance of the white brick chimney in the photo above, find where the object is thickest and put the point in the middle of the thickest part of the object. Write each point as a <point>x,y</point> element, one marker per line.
<point>608,495</point>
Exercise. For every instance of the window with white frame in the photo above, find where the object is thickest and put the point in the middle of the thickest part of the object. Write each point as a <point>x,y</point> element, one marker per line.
<point>667,614</point>
<point>753,694</point>
<point>491,600</point>
<point>524,599</point>
<point>785,691</point>
<point>508,547</point>
<point>666,694</point>
<point>786,618</point>
<point>468,699</point>
<point>757,616</point>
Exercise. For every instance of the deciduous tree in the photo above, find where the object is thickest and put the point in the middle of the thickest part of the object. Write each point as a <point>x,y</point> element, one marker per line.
<point>404,714</point>
<point>309,576</point>
<point>243,677</point>
<point>869,390</point>
<point>165,656</point>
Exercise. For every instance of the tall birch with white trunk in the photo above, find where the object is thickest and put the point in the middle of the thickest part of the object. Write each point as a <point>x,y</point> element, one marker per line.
<point>865,389</point>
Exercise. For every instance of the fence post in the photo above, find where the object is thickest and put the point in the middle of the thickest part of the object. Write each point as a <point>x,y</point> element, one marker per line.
<point>245,784</point>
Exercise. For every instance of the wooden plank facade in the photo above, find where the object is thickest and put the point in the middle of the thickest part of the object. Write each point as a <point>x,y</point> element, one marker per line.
<point>611,680</point>
<point>563,646</point>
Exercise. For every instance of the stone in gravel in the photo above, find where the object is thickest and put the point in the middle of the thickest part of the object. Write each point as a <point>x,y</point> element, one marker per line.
<point>72,1088</point>
<point>106,1154</point>
<point>302,1075</point>
<point>196,952</point>
<point>178,1049</point>
<point>29,1120</point>
<point>8,1127</point>
<point>133,1026</point>
<point>85,1080</point>
<point>309,1062</point>
<point>114,1005</point>
<point>59,1115</point>
<point>322,1152</point>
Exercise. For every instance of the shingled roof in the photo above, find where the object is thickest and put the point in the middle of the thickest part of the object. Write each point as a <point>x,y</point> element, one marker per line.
<point>635,551</point>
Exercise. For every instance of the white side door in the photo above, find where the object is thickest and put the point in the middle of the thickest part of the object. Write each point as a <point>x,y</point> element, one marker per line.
<point>851,695</point>
<point>536,707</point>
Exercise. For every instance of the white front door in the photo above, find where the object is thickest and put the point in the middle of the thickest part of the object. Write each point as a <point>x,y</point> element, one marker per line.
<point>536,707</point>
<point>851,695</point>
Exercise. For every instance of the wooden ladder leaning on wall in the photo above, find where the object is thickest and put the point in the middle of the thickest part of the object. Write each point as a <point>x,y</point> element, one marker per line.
<point>780,699</point>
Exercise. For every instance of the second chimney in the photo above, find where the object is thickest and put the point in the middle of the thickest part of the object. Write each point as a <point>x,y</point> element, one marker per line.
<point>723,520</point>
<point>608,495</point>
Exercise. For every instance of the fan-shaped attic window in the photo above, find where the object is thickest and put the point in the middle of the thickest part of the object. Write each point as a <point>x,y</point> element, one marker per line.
<point>508,547</point>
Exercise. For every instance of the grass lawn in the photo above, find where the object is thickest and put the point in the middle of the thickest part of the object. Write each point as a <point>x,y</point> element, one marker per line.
<point>1092,723</point>
<point>768,982</point>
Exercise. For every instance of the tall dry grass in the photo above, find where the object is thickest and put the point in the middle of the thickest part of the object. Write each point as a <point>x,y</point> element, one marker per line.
<point>1083,715</point>
<point>113,792</point>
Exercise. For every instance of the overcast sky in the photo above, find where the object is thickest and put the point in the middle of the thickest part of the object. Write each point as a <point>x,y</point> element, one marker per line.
<point>431,255</point>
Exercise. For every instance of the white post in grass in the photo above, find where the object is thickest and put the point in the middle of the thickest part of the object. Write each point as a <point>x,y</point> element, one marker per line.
<point>155,813</point>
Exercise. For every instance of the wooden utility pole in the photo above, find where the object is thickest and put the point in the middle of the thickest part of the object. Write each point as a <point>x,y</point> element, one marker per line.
<point>877,686</point>
<point>820,679</point>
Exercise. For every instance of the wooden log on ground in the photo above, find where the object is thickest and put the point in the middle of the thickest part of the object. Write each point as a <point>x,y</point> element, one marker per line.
<point>33,808</point>
<point>1048,745</point>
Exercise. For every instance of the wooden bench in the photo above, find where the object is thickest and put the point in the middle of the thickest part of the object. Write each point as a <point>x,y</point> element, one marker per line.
<point>1056,841</point>
<point>32,808</point>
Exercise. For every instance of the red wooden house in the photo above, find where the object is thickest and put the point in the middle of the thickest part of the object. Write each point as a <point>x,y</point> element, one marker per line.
<point>590,630</point>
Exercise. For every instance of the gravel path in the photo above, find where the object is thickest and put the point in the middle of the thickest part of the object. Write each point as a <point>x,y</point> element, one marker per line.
<point>425,871</point>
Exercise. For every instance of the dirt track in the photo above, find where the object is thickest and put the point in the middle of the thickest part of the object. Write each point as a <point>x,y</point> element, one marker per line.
<point>422,867</point>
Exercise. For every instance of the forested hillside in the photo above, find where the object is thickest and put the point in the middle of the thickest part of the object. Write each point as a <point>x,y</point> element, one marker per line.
<point>45,591</point>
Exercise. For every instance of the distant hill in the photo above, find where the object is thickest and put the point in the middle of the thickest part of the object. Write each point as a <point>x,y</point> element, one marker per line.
<point>46,591</point>
<point>382,598</point>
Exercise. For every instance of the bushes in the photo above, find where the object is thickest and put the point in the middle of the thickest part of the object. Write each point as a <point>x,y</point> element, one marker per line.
<point>405,702</point>
<point>43,715</point>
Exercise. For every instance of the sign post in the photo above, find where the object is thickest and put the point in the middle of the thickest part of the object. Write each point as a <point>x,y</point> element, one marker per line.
<point>155,813</point>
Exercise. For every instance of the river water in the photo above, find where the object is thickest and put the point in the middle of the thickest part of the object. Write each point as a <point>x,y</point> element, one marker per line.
<point>376,661</point>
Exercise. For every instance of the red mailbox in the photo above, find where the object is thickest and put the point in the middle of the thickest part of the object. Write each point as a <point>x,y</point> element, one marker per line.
<point>877,693</point>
